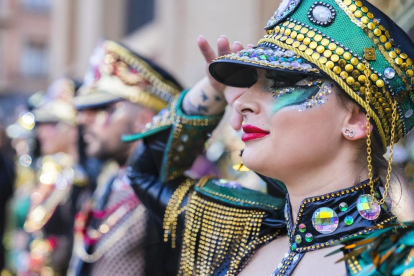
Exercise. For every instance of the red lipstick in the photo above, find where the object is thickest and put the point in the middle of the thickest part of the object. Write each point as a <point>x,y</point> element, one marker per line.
<point>252,132</point>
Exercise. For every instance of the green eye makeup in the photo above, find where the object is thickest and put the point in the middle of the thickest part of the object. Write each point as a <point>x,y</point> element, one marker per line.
<point>305,94</point>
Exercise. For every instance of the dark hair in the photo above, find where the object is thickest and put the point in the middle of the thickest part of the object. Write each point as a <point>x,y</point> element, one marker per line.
<point>379,163</point>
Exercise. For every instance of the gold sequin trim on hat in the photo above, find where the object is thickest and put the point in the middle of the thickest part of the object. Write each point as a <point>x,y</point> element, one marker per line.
<point>381,38</point>
<point>346,68</point>
<point>162,88</point>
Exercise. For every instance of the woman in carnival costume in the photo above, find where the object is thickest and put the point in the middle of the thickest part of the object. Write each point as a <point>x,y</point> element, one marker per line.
<point>320,98</point>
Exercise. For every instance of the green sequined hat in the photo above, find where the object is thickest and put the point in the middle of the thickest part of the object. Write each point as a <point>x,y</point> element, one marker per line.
<point>338,39</point>
<point>117,73</point>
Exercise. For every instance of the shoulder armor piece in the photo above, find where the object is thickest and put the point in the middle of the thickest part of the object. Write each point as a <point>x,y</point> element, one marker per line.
<point>186,138</point>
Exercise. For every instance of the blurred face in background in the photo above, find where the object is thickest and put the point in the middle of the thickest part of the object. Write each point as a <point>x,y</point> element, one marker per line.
<point>104,127</point>
<point>56,137</point>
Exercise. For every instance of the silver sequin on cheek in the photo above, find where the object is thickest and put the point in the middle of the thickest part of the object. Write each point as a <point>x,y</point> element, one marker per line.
<point>319,99</point>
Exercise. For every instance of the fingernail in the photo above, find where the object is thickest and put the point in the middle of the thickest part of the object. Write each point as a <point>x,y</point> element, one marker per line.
<point>237,42</point>
<point>200,36</point>
<point>224,36</point>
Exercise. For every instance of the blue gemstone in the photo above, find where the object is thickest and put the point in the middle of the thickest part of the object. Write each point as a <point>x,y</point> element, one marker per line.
<point>163,111</point>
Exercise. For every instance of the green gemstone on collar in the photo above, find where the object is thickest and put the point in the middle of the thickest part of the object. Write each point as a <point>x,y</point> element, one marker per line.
<point>293,246</point>
<point>349,220</point>
<point>343,206</point>
<point>302,228</point>
<point>309,237</point>
<point>298,239</point>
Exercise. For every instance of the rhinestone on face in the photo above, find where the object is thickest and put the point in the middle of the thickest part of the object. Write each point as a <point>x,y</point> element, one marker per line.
<point>389,73</point>
<point>367,207</point>
<point>309,237</point>
<point>302,228</point>
<point>325,220</point>
<point>409,113</point>
<point>349,220</point>
<point>298,239</point>
<point>343,206</point>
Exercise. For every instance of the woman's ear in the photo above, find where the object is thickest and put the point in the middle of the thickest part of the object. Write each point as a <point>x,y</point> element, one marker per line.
<point>354,126</point>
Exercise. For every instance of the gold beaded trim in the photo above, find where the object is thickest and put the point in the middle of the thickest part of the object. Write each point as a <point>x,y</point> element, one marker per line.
<point>323,197</point>
<point>360,15</point>
<point>178,122</point>
<point>286,263</point>
<point>165,88</point>
<point>134,94</point>
<point>328,243</point>
<point>354,265</point>
<point>240,262</point>
<point>331,195</point>
<point>341,65</point>
<point>173,211</point>
<point>230,198</point>
<point>233,57</point>
<point>212,232</point>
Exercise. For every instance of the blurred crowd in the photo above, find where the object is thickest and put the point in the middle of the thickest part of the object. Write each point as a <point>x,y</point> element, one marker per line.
<point>65,197</point>
<point>65,202</point>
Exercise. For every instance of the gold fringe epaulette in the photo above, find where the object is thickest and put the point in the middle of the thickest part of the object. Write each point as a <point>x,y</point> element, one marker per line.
<point>213,232</point>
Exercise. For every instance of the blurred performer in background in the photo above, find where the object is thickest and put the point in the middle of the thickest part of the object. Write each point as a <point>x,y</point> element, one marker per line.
<point>61,181</point>
<point>23,141</point>
<point>7,176</point>
<point>121,94</point>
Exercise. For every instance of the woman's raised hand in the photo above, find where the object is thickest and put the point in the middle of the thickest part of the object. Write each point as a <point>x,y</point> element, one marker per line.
<point>223,48</point>
<point>208,97</point>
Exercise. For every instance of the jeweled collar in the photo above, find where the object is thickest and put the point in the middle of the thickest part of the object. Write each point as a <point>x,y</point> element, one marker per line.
<point>324,219</point>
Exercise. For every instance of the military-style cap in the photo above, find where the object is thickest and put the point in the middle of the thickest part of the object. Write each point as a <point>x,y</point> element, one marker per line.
<point>56,104</point>
<point>117,73</point>
<point>349,41</point>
